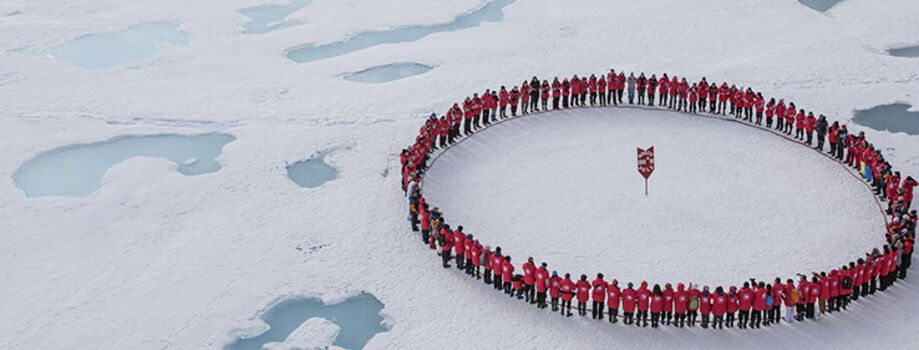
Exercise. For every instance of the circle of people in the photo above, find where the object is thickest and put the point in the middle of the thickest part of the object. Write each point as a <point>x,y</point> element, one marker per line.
<point>751,304</point>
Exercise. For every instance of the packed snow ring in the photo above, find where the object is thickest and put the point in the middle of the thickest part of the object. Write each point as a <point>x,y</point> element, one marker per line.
<point>812,249</point>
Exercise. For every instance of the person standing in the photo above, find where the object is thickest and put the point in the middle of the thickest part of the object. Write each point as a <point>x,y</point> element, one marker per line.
<point>631,84</point>
<point>583,294</point>
<point>446,245</point>
<point>657,305</point>
<point>719,307</point>
<point>567,291</point>
<point>790,298</point>
<point>529,280</point>
<point>497,267</point>
<point>667,315</point>
<point>542,283</point>
<point>745,303</point>
<point>534,94</point>
<point>731,307</point>
<point>507,273</point>
<point>629,298</point>
<point>680,304</point>
<point>705,306</point>
<point>459,247</point>
<point>821,128</point>
<point>556,93</point>
<point>612,297</point>
<point>644,299</point>
<point>598,296</point>
<point>555,284</point>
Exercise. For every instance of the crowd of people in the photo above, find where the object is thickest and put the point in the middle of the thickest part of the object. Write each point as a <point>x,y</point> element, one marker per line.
<point>750,304</point>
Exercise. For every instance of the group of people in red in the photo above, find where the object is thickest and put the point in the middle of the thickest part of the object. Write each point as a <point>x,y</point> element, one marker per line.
<point>753,303</point>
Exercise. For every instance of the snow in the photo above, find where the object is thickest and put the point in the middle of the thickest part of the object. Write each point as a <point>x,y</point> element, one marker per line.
<point>757,204</point>
<point>158,260</point>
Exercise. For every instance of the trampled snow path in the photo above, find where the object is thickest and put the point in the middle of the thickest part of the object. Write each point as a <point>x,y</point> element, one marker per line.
<point>728,202</point>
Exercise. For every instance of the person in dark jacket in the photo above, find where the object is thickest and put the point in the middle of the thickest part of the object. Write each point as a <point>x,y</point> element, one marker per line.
<point>821,128</point>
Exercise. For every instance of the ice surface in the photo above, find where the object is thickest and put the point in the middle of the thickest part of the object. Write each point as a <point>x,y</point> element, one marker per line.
<point>491,12</point>
<point>388,72</point>
<point>594,217</point>
<point>894,117</point>
<point>904,51</point>
<point>357,317</point>
<point>181,262</point>
<point>268,18</point>
<point>820,5</point>
<point>312,172</point>
<point>75,171</point>
<point>104,50</point>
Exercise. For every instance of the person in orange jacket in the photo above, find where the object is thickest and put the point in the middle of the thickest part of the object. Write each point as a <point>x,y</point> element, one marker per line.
<point>599,296</point>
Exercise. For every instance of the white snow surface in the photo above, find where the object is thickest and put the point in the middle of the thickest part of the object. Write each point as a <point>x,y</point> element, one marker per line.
<point>158,260</point>
<point>727,202</point>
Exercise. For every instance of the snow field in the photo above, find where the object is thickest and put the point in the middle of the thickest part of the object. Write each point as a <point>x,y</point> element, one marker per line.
<point>727,202</point>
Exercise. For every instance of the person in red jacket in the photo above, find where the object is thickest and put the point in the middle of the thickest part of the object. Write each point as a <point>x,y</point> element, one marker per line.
<point>759,304</point>
<point>629,298</point>
<point>644,300</point>
<point>567,290</point>
<point>803,294</point>
<point>705,305</point>
<point>809,124</point>
<point>667,315</point>
<point>775,313</point>
<point>517,285</point>
<point>745,303</point>
<point>583,291</point>
<point>555,285</point>
<point>507,272</point>
<point>544,94</point>
<point>446,244</point>
<point>542,283</point>
<point>813,292</point>
<point>694,296</point>
<point>719,307</point>
<point>612,297</point>
<point>556,93</point>
<point>657,299</point>
<point>680,305</point>
<point>459,247</point>
<point>529,280</point>
<point>599,296</point>
<point>731,307</point>
<point>497,268</point>
<point>514,99</point>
